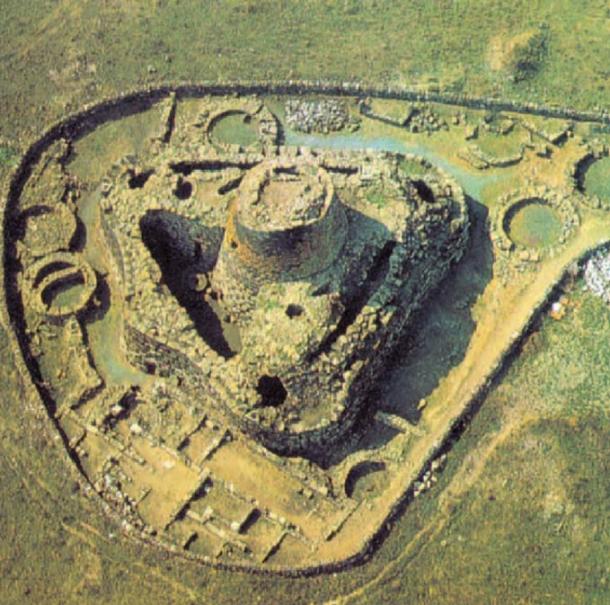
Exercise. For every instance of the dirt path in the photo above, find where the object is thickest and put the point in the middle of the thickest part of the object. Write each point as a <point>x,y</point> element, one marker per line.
<point>508,311</point>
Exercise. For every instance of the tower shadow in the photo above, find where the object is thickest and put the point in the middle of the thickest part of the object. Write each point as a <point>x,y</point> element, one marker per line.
<point>441,331</point>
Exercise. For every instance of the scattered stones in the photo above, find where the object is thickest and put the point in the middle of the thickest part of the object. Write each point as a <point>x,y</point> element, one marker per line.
<point>597,275</point>
<point>416,117</point>
<point>322,116</point>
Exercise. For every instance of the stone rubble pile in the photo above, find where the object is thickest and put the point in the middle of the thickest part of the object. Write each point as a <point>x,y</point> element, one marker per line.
<point>597,274</point>
<point>323,116</point>
<point>425,119</point>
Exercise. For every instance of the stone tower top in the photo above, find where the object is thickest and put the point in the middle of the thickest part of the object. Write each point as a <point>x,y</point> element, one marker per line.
<point>283,194</point>
<point>286,224</point>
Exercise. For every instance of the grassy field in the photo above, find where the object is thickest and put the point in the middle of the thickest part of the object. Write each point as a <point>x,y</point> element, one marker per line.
<point>57,53</point>
<point>521,511</point>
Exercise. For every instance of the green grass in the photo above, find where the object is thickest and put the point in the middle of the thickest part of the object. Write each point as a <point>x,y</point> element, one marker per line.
<point>535,225</point>
<point>411,168</point>
<point>69,51</point>
<point>234,130</point>
<point>501,146</point>
<point>528,59</point>
<point>542,463</point>
<point>531,531</point>
<point>8,157</point>
<point>113,141</point>
<point>597,179</point>
<point>377,197</point>
<point>566,371</point>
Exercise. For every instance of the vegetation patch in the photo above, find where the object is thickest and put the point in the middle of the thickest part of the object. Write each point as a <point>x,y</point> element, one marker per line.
<point>235,129</point>
<point>520,56</point>
<point>597,179</point>
<point>534,225</point>
<point>8,156</point>
<point>377,197</point>
<point>411,168</point>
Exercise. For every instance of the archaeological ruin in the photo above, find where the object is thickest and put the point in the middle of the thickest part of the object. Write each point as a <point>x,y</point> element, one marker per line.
<point>209,317</point>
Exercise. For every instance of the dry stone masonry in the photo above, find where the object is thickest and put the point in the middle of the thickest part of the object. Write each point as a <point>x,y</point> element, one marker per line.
<point>208,323</point>
<point>323,116</point>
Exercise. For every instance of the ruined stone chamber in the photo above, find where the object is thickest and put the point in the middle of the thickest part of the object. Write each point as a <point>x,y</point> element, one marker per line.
<point>298,271</point>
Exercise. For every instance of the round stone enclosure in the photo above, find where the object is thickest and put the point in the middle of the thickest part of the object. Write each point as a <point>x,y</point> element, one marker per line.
<point>596,179</point>
<point>532,223</point>
<point>231,125</point>
<point>534,219</point>
<point>235,128</point>
<point>60,284</point>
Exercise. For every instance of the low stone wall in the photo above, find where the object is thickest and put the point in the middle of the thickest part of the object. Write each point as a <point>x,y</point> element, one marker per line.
<point>79,123</point>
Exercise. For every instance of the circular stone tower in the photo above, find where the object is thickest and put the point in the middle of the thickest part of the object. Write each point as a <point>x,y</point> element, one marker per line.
<point>285,224</point>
